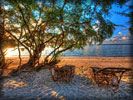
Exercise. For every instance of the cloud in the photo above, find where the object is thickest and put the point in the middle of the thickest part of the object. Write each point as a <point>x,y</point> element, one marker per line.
<point>120,33</point>
<point>125,28</point>
<point>120,39</point>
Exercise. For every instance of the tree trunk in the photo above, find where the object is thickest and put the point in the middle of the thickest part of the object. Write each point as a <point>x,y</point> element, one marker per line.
<point>32,62</point>
<point>2,59</point>
<point>34,59</point>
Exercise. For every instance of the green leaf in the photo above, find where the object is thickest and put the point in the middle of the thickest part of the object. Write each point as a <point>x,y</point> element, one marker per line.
<point>22,49</point>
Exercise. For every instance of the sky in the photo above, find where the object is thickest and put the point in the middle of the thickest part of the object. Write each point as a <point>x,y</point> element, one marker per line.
<point>119,20</point>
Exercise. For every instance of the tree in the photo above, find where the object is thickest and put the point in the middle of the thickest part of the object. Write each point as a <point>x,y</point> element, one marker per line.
<point>60,25</point>
<point>4,41</point>
<point>2,58</point>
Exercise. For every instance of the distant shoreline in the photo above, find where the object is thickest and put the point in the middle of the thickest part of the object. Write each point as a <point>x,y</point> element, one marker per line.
<point>74,57</point>
<point>116,44</point>
<point>80,56</point>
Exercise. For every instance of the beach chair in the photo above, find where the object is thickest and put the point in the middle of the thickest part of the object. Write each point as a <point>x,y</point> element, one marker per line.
<point>64,73</point>
<point>108,76</point>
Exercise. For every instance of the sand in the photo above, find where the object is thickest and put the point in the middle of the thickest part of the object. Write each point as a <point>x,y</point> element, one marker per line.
<point>125,62</point>
<point>84,61</point>
<point>40,86</point>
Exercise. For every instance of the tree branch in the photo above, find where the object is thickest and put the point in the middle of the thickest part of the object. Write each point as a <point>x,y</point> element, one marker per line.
<point>55,49</point>
<point>61,17</point>
<point>69,47</point>
<point>17,39</point>
<point>21,11</point>
<point>19,46</point>
<point>65,49</point>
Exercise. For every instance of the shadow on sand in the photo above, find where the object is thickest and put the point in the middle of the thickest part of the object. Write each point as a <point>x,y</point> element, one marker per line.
<point>40,86</point>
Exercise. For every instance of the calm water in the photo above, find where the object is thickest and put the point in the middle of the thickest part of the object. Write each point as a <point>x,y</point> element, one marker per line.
<point>105,50</point>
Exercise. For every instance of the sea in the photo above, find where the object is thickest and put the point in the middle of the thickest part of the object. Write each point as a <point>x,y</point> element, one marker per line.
<point>104,50</point>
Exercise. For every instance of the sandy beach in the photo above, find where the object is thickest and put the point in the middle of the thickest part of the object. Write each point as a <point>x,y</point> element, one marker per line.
<point>125,62</point>
<point>84,61</point>
<point>40,86</point>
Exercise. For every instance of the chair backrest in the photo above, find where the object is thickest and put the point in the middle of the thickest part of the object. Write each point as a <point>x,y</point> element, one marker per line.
<point>95,69</point>
<point>113,70</point>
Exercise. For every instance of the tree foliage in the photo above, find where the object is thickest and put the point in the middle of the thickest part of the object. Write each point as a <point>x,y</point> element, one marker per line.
<point>58,24</point>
